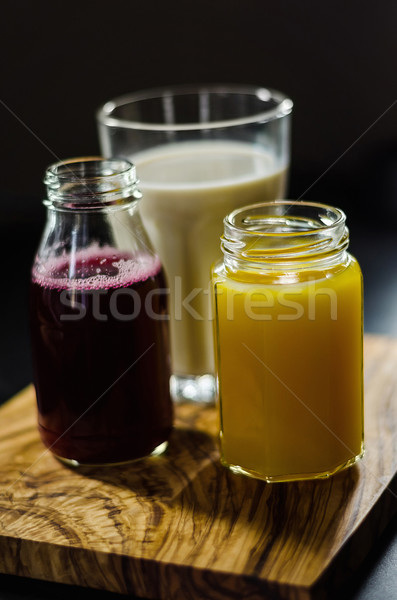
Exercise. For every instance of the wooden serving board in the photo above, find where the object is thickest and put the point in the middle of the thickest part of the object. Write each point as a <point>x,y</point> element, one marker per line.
<point>183,527</point>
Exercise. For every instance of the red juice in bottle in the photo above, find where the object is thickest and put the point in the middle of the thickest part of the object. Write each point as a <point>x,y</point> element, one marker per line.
<point>99,330</point>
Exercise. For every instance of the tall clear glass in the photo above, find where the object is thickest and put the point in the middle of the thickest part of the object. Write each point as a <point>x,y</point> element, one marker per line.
<point>200,152</point>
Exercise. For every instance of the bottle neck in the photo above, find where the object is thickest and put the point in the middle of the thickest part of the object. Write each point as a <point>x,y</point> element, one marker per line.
<point>284,236</point>
<point>92,203</point>
<point>91,184</point>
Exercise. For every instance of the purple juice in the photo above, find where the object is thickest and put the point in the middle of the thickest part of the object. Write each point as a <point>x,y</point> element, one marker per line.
<point>99,329</point>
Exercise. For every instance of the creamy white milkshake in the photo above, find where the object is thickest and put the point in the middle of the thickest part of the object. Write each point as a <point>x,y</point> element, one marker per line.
<point>188,188</point>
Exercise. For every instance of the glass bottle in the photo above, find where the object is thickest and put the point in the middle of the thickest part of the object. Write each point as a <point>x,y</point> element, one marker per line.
<point>289,342</point>
<point>99,319</point>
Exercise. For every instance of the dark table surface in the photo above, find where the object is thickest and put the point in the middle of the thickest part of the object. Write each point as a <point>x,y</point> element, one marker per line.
<point>376,251</point>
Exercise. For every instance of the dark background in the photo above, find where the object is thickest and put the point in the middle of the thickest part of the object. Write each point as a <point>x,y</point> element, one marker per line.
<point>61,60</point>
<point>337,61</point>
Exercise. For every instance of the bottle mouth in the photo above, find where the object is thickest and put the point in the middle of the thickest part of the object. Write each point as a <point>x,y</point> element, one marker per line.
<point>284,231</point>
<point>90,183</point>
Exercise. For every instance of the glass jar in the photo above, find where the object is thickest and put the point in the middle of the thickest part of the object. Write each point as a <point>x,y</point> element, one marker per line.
<point>99,319</point>
<point>288,303</point>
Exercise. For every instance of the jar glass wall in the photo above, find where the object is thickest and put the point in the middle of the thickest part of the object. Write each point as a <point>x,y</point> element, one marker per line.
<point>289,342</point>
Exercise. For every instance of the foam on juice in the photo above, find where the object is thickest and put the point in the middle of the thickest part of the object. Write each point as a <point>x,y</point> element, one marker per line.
<point>95,268</point>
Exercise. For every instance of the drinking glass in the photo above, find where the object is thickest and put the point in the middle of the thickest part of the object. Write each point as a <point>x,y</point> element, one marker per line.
<point>200,152</point>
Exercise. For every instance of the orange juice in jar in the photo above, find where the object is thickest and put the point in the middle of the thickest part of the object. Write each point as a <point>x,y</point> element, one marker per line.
<point>289,342</point>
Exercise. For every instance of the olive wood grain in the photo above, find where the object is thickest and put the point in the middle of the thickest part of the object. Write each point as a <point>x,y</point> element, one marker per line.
<point>183,527</point>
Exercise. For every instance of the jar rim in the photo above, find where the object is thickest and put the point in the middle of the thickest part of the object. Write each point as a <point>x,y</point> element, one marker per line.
<point>282,106</point>
<point>238,219</point>
<point>284,233</point>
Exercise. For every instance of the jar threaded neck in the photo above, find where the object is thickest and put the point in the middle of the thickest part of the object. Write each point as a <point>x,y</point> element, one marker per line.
<point>283,234</point>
